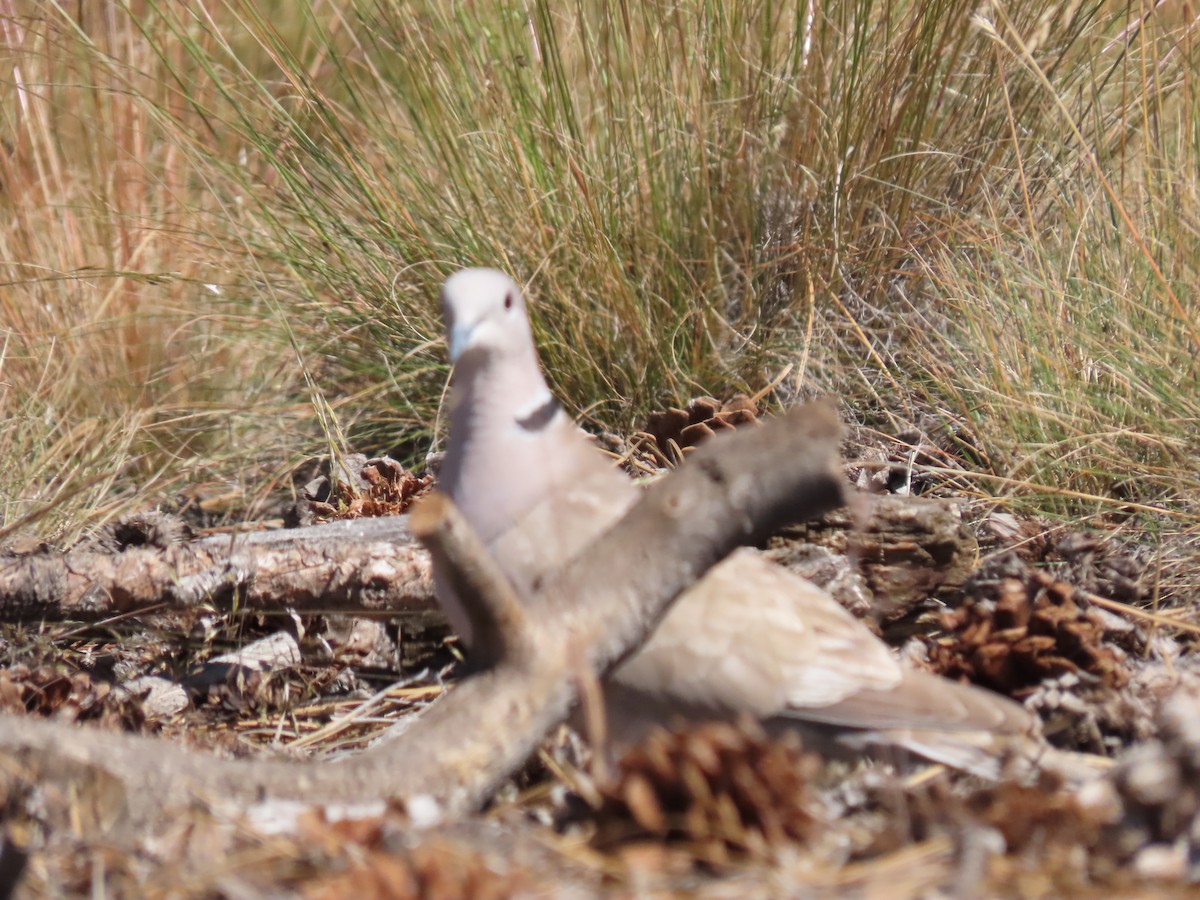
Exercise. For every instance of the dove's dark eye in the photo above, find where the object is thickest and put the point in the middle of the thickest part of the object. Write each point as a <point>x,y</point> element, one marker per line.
<point>508,301</point>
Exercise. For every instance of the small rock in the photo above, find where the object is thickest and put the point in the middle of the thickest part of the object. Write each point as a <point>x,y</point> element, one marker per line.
<point>161,698</point>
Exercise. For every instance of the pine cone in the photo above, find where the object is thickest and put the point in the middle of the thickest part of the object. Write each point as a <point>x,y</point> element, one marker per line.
<point>1049,834</point>
<point>676,431</point>
<point>365,488</point>
<point>1016,631</point>
<point>720,788</point>
<point>56,691</point>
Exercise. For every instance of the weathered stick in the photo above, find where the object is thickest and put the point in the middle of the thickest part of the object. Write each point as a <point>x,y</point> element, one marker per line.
<point>354,565</point>
<point>462,747</point>
<point>494,609</point>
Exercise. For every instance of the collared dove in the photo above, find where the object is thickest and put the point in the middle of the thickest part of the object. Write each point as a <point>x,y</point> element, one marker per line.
<point>750,637</point>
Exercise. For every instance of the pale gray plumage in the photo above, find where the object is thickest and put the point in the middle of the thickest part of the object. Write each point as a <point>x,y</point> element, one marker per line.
<point>750,637</point>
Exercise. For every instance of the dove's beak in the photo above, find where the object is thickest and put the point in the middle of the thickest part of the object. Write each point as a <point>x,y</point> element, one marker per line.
<point>460,337</point>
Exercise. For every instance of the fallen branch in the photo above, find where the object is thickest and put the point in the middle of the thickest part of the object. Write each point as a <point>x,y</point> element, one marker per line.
<point>347,566</point>
<point>732,491</point>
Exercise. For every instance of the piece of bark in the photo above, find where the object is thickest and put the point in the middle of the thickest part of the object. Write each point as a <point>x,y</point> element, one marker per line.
<point>911,548</point>
<point>352,565</point>
<point>903,549</point>
<point>449,761</point>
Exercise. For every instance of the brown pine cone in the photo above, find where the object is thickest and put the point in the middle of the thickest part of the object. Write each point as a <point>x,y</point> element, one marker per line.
<point>719,788</point>
<point>1018,630</point>
<point>676,431</point>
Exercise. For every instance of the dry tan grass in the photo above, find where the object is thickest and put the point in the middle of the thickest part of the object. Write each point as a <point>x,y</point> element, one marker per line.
<point>126,366</point>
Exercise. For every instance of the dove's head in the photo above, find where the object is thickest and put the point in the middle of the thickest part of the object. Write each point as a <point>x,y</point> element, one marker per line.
<point>485,316</point>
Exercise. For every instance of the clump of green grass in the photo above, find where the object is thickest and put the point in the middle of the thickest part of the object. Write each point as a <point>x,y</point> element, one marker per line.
<point>1072,336</point>
<point>672,181</point>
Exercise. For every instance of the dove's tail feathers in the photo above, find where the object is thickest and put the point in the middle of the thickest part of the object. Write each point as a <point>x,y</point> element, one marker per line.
<point>983,754</point>
<point>958,725</point>
<point>964,727</point>
<point>924,701</point>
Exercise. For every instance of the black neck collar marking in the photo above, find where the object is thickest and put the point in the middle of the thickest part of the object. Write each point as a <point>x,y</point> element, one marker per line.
<point>540,416</point>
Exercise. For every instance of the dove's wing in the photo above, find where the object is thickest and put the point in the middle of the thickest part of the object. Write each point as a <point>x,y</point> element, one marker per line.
<point>752,636</point>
